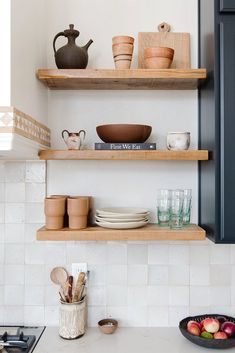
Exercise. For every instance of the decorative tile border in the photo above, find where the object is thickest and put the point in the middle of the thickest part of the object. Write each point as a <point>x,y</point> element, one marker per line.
<point>13,120</point>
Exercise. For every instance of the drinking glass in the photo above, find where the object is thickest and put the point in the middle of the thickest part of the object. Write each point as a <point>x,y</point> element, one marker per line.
<point>178,193</point>
<point>163,207</point>
<point>176,217</point>
<point>187,203</point>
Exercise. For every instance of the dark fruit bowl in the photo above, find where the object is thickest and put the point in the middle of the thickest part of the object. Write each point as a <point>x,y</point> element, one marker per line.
<point>123,133</point>
<point>205,342</point>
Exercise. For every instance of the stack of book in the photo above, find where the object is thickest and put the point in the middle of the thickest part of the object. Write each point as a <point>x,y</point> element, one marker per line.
<point>125,146</point>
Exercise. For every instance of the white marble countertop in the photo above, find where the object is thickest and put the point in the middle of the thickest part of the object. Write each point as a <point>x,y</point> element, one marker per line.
<point>124,340</point>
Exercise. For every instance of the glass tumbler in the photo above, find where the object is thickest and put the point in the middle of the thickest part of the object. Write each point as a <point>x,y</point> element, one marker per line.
<point>176,218</point>
<point>163,207</point>
<point>187,204</point>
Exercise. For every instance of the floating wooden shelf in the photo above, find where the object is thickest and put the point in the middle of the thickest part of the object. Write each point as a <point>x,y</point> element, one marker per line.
<point>138,79</point>
<point>149,232</point>
<point>189,155</point>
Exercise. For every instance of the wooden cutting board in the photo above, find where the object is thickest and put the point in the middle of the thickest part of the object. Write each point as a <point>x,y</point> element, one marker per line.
<point>180,42</point>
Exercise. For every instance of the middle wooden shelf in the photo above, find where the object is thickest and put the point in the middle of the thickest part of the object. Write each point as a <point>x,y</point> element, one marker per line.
<point>158,155</point>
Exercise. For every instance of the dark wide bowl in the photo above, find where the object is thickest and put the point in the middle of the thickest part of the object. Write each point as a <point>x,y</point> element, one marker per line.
<point>205,342</point>
<point>123,133</point>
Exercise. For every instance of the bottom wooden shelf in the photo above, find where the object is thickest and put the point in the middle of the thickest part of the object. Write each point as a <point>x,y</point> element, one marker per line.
<point>149,232</point>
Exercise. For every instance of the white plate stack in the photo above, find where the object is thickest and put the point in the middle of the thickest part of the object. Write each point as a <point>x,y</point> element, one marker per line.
<point>122,217</point>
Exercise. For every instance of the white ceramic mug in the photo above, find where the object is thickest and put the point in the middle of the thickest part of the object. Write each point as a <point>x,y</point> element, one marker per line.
<point>178,141</point>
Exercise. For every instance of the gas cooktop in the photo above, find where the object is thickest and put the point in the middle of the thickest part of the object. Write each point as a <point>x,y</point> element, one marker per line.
<point>19,339</point>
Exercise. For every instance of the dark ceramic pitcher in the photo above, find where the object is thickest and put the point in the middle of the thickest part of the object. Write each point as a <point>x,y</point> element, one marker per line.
<point>70,56</point>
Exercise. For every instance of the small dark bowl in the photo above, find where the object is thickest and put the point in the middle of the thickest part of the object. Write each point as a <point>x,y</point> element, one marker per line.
<point>123,133</point>
<point>205,342</point>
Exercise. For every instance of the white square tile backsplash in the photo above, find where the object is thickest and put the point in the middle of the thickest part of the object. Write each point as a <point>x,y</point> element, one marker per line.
<point>139,283</point>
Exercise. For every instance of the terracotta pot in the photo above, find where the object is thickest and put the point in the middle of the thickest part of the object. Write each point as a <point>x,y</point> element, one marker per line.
<point>159,52</point>
<point>78,208</point>
<point>122,54</point>
<point>120,49</point>
<point>66,218</point>
<point>123,39</point>
<point>157,63</point>
<point>124,63</point>
<point>158,57</point>
<point>54,209</point>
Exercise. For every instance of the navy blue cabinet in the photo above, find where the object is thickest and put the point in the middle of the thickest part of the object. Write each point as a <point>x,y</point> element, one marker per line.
<point>227,5</point>
<point>217,120</point>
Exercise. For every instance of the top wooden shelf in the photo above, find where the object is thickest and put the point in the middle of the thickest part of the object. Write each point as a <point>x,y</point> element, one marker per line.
<point>137,79</point>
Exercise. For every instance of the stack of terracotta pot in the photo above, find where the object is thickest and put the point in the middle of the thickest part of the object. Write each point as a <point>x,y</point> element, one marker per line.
<point>123,47</point>
<point>158,57</point>
<point>62,211</point>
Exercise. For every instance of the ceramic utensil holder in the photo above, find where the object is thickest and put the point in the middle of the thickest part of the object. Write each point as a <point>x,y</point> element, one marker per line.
<point>122,52</point>
<point>72,319</point>
<point>78,208</point>
<point>54,209</point>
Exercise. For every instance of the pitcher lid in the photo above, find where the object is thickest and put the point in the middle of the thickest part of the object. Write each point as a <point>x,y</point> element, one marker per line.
<point>71,31</point>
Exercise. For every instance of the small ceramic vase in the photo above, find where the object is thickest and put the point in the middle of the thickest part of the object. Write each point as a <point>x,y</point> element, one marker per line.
<point>74,140</point>
<point>178,141</point>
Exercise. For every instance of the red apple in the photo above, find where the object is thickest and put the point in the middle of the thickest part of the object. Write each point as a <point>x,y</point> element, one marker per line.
<point>194,329</point>
<point>194,323</point>
<point>211,325</point>
<point>220,336</point>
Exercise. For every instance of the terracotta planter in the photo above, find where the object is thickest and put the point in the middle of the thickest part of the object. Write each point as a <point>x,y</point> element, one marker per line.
<point>159,52</point>
<point>54,209</point>
<point>123,39</point>
<point>122,49</point>
<point>66,217</point>
<point>78,208</point>
<point>158,58</point>
<point>122,55</point>
<point>157,63</point>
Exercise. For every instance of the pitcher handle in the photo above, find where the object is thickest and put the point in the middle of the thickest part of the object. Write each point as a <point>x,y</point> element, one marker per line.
<point>63,134</point>
<point>84,135</point>
<point>61,34</point>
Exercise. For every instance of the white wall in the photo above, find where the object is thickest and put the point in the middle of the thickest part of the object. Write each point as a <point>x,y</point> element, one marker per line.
<point>5,57</point>
<point>28,53</point>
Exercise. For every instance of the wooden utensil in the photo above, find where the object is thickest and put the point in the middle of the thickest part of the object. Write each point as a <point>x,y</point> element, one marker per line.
<point>59,276</point>
<point>79,288</point>
<point>180,42</point>
<point>70,289</point>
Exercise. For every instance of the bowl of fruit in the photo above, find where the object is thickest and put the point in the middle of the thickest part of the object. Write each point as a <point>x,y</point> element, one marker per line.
<point>210,330</point>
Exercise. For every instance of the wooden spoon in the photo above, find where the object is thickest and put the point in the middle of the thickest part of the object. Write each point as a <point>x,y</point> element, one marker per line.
<point>59,276</point>
<point>79,287</point>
